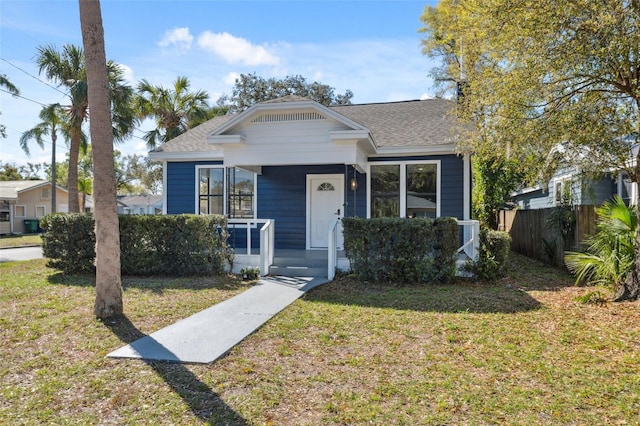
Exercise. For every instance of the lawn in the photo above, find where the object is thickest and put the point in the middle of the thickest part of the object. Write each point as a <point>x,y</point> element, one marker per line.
<point>520,351</point>
<point>20,240</point>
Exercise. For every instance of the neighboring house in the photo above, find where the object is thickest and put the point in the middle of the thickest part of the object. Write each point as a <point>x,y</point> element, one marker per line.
<point>571,187</point>
<point>140,204</point>
<point>27,200</point>
<point>294,166</point>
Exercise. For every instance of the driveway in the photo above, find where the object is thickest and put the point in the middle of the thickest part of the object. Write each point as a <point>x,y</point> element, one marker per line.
<point>21,253</point>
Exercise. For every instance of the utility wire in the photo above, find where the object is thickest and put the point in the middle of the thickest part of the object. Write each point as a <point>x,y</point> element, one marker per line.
<point>22,97</point>
<point>46,142</point>
<point>34,77</point>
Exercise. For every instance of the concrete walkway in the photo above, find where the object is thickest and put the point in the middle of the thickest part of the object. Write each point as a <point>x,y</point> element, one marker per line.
<point>13,254</point>
<point>210,334</point>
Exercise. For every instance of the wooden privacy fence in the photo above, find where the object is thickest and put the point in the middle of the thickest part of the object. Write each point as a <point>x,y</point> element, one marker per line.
<point>532,236</point>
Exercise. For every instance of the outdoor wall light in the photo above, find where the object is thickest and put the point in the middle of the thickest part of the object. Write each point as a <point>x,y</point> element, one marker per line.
<point>353,185</point>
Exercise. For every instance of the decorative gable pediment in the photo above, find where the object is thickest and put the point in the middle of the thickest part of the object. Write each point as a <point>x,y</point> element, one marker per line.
<point>295,132</point>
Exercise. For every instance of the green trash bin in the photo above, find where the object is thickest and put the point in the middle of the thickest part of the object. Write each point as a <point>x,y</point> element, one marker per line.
<point>30,226</point>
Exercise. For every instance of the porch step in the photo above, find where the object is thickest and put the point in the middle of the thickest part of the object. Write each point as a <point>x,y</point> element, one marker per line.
<point>298,271</point>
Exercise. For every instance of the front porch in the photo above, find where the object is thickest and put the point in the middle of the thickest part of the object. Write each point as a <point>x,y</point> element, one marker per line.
<point>321,263</point>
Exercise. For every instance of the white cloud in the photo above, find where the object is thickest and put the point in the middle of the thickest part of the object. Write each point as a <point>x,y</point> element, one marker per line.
<point>128,73</point>
<point>236,50</point>
<point>230,79</point>
<point>179,38</point>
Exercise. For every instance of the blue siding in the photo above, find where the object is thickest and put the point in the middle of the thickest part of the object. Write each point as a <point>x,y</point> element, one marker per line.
<point>181,185</point>
<point>589,192</point>
<point>596,192</point>
<point>538,199</point>
<point>282,195</point>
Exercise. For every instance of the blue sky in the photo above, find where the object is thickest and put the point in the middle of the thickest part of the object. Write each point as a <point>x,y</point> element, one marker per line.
<point>369,47</point>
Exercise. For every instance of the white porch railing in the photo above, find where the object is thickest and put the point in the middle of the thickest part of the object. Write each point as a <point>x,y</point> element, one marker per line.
<point>267,240</point>
<point>471,238</point>
<point>332,249</point>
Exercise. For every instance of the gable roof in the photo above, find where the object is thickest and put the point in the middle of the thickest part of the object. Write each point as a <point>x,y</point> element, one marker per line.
<point>405,124</point>
<point>9,189</point>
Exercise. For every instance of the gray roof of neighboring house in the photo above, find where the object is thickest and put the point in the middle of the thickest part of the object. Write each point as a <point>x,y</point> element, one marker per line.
<point>140,200</point>
<point>392,124</point>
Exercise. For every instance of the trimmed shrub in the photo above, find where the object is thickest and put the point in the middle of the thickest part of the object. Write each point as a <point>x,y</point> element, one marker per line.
<point>69,242</point>
<point>495,247</point>
<point>149,245</point>
<point>401,250</point>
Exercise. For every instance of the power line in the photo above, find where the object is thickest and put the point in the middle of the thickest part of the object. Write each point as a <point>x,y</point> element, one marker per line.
<point>34,77</point>
<point>46,142</point>
<point>22,97</point>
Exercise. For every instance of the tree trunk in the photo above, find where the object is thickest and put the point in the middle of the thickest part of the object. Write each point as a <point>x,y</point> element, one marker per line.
<point>630,290</point>
<point>72,180</point>
<point>108,281</point>
<point>54,138</point>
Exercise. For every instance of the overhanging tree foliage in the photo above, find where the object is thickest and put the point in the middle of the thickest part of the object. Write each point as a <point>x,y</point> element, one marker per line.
<point>543,75</point>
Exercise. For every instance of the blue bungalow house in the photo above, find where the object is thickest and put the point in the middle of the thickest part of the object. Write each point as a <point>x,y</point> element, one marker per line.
<point>285,171</point>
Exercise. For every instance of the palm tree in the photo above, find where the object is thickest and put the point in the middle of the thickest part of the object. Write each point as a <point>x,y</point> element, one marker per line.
<point>108,281</point>
<point>13,90</point>
<point>67,68</point>
<point>53,121</point>
<point>173,109</point>
<point>611,250</point>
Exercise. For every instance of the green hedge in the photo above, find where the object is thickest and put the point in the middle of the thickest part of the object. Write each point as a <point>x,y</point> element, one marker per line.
<point>495,247</point>
<point>69,242</point>
<point>416,251</point>
<point>149,244</point>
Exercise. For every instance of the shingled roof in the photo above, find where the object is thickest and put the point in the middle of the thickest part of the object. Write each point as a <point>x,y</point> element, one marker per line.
<point>415,123</point>
<point>405,124</point>
<point>195,140</point>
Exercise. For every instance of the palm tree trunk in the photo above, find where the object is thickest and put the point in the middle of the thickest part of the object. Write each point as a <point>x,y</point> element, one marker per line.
<point>72,181</point>
<point>108,281</point>
<point>54,138</point>
<point>630,290</point>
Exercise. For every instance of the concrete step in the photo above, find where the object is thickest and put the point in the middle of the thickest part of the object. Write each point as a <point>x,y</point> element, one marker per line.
<point>299,261</point>
<point>298,271</point>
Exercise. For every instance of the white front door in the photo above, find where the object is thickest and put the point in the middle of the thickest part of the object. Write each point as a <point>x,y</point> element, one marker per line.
<point>325,199</point>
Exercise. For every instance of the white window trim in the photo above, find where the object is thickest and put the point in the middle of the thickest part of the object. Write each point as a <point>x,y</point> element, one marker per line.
<point>44,210</point>
<point>562,180</point>
<point>15,210</point>
<point>42,197</point>
<point>225,195</point>
<point>403,182</point>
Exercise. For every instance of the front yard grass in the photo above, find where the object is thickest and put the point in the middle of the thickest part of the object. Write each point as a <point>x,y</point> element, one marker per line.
<point>519,351</point>
<point>20,240</point>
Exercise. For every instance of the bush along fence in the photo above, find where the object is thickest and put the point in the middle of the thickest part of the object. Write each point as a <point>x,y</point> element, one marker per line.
<point>495,247</point>
<point>409,251</point>
<point>150,245</point>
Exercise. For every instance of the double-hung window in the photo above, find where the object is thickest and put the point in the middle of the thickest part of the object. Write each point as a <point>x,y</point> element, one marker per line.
<point>405,189</point>
<point>229,192</point>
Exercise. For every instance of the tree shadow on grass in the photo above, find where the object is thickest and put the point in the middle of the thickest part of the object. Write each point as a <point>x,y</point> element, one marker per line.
<point>203,402</point>
<point>155,284</point>
<point>455,297</point>
<point>507,295</point>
